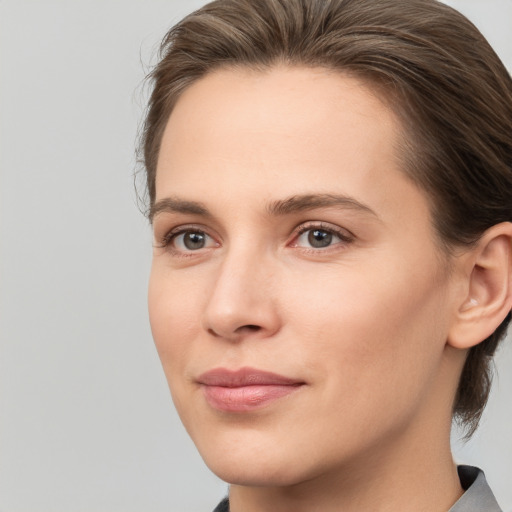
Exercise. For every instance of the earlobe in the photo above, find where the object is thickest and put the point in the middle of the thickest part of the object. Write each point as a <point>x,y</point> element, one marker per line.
<point>488,296</point>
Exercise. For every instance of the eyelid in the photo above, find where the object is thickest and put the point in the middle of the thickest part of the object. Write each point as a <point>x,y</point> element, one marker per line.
<point>327,226</point>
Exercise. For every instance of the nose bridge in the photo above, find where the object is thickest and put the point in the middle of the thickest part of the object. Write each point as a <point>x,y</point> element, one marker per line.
<point>241,300</point>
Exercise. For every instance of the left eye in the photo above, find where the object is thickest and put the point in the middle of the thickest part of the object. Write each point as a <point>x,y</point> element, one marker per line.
<point>317,238</point>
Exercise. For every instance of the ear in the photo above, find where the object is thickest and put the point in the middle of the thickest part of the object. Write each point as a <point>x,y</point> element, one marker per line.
<point>487,297</point>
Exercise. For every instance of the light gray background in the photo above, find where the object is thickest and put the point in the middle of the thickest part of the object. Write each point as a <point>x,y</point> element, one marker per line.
<point>86,421</point>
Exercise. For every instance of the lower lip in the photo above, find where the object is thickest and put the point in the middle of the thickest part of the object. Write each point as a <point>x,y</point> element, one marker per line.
<point>246,398</point>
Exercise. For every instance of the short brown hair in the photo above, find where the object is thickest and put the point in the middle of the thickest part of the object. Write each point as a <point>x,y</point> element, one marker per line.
<point>426,60</point>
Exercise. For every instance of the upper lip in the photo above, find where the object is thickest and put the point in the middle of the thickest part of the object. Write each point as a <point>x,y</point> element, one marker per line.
<point>244,377</point>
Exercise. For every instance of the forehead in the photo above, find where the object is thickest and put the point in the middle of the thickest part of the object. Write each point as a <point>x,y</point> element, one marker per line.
<point>304,119</point>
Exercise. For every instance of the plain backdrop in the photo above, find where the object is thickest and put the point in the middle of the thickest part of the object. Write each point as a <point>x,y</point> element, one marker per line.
<point>86,420</point>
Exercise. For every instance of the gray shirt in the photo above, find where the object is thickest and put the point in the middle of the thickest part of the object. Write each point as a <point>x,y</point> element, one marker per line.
<point>477,497</point>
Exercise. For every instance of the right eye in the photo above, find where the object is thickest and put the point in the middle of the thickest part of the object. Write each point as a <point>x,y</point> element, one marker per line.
<point>189,240</point>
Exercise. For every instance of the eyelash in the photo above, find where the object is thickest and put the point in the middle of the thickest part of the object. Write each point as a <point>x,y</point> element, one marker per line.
<point>344,235</point>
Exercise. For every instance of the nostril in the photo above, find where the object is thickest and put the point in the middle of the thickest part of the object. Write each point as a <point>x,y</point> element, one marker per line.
<point>249,327</point>
<point>237,332</point>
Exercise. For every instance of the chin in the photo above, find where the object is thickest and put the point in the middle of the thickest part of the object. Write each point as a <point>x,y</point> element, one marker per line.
<point>255,472</point>
<point>251,458</point>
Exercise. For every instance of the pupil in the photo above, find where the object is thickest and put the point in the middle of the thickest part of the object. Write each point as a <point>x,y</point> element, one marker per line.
<point>194,240</point>
<point>318,238</point>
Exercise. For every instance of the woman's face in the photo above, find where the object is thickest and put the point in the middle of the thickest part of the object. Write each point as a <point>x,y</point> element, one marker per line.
<point>298,299</point>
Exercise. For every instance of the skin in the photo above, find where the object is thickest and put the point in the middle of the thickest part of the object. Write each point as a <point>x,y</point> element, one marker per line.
<point>362,322</point>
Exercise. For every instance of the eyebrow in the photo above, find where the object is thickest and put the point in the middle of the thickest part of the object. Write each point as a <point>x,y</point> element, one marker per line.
<point>300,203</point>
<point>293,204</point>
<point>176,205</point>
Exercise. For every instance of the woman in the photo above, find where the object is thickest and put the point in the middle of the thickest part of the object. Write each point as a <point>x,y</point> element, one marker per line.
<point>330,189</point>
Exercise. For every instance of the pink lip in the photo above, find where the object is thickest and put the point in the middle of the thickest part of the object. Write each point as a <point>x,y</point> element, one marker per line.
<point>245,389</point>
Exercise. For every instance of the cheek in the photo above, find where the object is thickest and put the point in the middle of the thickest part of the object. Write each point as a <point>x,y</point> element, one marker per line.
<point>377,338</point>
<point>173,315</point>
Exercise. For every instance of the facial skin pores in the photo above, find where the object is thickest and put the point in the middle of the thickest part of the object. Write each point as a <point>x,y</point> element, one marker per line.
<point>297,276</point>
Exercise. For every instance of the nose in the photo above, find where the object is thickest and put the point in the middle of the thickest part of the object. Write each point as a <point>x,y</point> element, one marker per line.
<point>242,301</point>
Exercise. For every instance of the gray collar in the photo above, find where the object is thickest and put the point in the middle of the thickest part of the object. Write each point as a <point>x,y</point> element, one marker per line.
<point>478,496</point>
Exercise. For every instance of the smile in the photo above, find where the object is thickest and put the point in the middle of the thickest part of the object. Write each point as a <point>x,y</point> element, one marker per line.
<point>246,389</point>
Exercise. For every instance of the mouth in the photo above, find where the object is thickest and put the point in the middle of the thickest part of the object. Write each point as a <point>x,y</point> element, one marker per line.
<point>246,389</point>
